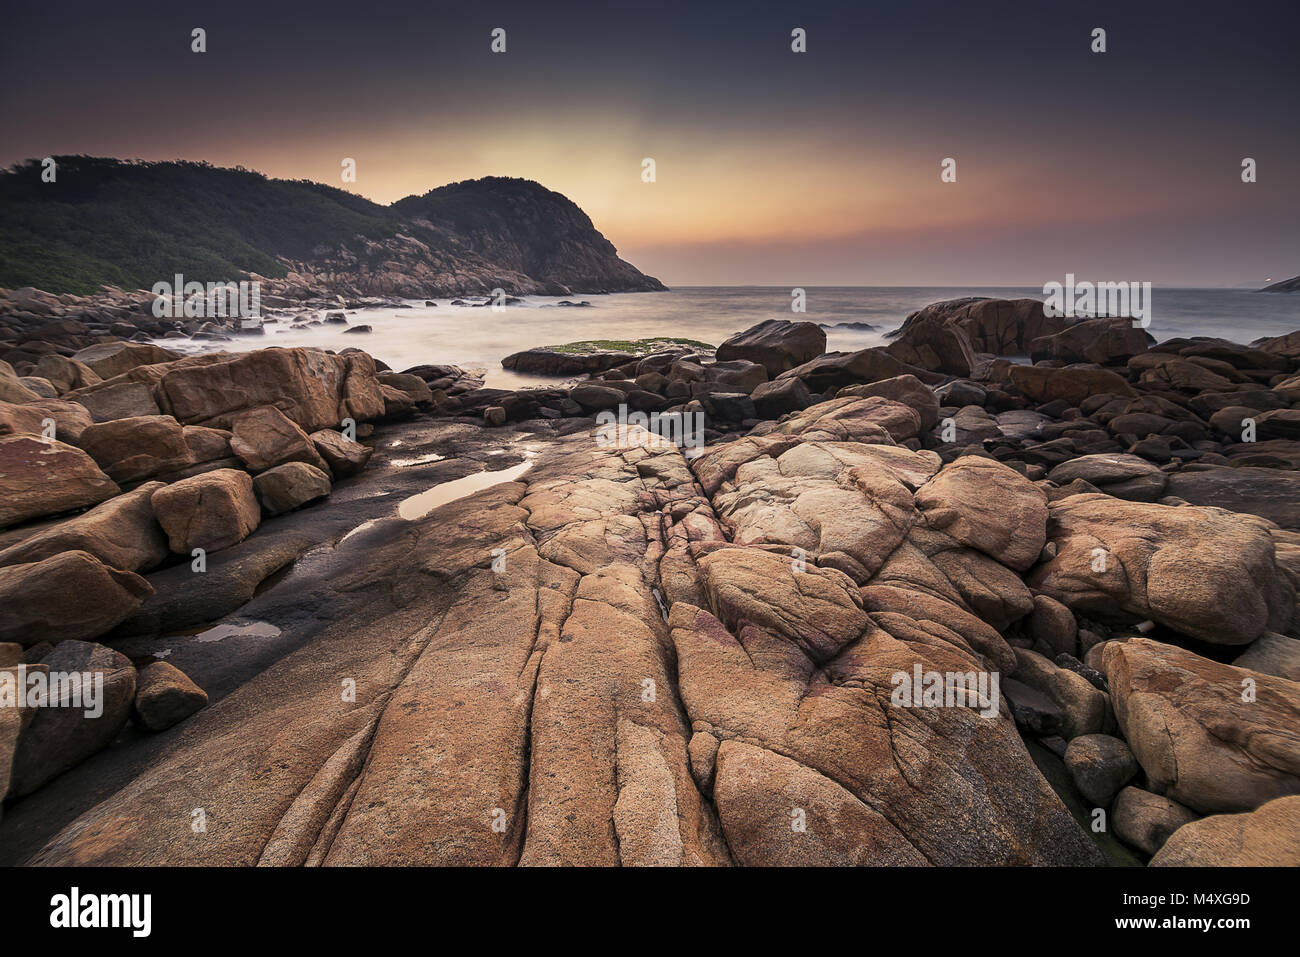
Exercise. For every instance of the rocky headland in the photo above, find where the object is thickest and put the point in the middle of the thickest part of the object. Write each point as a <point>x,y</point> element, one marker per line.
<point>354,615</point>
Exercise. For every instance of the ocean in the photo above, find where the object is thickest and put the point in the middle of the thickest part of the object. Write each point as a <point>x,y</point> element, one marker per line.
<point>478,338</point>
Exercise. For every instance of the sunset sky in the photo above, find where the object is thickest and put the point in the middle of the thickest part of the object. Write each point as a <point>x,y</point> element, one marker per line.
<point>772,167</point>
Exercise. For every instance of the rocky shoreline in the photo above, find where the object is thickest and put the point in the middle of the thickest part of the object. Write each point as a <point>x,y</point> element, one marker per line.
<point>614,653</point>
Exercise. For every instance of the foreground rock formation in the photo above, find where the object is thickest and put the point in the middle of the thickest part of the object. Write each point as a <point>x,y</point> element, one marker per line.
<point>909,619</point>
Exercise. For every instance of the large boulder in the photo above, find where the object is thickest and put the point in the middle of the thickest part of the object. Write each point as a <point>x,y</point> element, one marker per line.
<point>1210,736</point>
<point>210,511</point>
<point>71,729</point>
<point>65,374</point>
<point>285,487</point>
<point>1103,341</point>
<point>44,477</point>
<point>907,389</point>
<point>121,397</point>
<point>313,388</point>
<point>266,437</point>
<point>930,341</point>
<point>834,370</point>
<point>141,447</point>
<point>777,344</point>
<point>1072,384</point>
<point>1124,476</point>
<point>1003,327</point>
<point>1202,571</point>
<point>71,595</point>
<point>109,359</point>
<point>1266,837</point>
<point>1270,493</point>
<point>988,506</point>
<point>788,662</point>
<point>121,533</point>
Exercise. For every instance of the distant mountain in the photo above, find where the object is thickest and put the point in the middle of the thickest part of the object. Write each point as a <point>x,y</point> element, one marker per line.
<point>1286,285</point>
<point>132,224</point>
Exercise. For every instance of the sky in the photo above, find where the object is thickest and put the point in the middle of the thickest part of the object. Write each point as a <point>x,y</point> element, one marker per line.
<point>771,166</point>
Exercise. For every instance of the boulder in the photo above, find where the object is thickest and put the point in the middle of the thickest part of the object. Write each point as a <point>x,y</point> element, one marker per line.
<point>834,370</point>
<point>1099,765</point>
<point>1106,341</point>
<point>776,344</point>
<point>1003,327</point>
<point>1201,571</point>
<point>1072,384</point>
<point>71,595</point>
<point>1266,837</point>
<point>1198,741</point>
<point>65,374</point>
<point>110,359</point>
<point>210,511</point>
<point>165,696</point>
<point>1270,493</point>
<point>21,419</point>
<point>62,735</point>
<point>594,398</point>
<point>930,341</point>
<point>344,456</point>
<point>265,437</point>
<point>119,398</point>
<point>989,507</point>
<point>905,389</point>
<point>313,388</point>
<point>121,532</point>
<point>774,399</point>
<point>70,418</point>
<point>285,487</point>
<point>44,477</point>
<point>12,388</point>
<point>1124,476</point>
<point>1145,820</point>
<point>42,387</point>
<point>140,447</point>
<point>416,388</point>
<point>1269,654</point>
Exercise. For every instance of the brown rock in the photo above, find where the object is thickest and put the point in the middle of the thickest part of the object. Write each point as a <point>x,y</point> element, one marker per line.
<point>1267,837</point>
<point>60,737</point>
<point>1145,820</point>
<point>210,511</point>
<point>344,456</point>
<point>776,344</point>
<point>164,696</point>
<point>140,447</point>
<point>1197,740</point>
<point>264,437</point>
<point>44,477</point>
<point>121,533</point>
<point>71,595</point>
<point>285,487</point>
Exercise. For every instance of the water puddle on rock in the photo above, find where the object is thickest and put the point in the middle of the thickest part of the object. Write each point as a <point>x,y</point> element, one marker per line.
<point>418,506</point>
